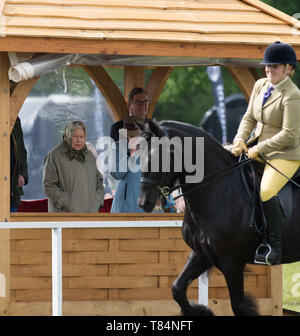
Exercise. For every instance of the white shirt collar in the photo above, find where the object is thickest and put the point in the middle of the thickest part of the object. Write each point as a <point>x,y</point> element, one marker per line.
<point>275,86</point>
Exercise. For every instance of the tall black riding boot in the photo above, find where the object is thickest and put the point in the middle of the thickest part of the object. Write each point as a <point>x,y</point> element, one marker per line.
<point>270,253</point>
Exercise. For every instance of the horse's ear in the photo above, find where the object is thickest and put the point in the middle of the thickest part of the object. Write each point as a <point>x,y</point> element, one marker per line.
<point>140,125</point>
<point>154,128</point>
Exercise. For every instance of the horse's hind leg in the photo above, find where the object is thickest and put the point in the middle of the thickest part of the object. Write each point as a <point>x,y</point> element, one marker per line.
<point>197,264</point>
<point>241,303</point>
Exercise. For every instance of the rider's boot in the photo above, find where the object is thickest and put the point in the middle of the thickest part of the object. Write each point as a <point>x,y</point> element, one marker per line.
<point>270,253</point>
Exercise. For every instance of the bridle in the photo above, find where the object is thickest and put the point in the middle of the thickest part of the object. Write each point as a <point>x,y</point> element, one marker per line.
<point>163,189</point>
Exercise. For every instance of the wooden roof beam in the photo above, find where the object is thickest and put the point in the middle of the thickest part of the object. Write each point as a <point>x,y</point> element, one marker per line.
<point>245,79</point>
<point>17,98</point>
<point>109,90</point>
<point>273,12</point>
<point>142,48</point>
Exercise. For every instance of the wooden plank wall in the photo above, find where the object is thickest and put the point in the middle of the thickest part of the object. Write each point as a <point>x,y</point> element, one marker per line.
<point>99,264</point>
<point>117,265</point>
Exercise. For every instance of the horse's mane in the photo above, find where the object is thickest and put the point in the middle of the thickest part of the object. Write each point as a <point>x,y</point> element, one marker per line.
<point>191,130</point>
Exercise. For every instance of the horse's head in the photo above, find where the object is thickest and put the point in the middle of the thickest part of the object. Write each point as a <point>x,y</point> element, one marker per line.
<point>157,165</point>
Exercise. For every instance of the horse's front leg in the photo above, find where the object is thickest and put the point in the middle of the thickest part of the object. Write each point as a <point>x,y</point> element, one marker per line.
<point>241,304</point>
<point>197,264</point>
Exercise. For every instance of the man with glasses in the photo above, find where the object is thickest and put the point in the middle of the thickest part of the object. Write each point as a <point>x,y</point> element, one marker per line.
<point>138,105</point>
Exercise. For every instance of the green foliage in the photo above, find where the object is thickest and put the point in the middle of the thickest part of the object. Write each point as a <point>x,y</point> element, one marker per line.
<point>117,74</point>
<point>181,95</point>
<point>291,286</point>
<point>289,7</point>
<point>187,95</point>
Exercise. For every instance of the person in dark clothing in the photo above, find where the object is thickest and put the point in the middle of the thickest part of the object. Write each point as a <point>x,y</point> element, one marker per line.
<point>18,166</point>
<point>138,104</point>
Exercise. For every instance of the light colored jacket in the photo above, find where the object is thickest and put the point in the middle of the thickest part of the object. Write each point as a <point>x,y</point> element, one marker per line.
<point>128,173</point>
<point>127,193</point>
<point>277,123</point>
<point>71,185</point>
<point>128,188</point>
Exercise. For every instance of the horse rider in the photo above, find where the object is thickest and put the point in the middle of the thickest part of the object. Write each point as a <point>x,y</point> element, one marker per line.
<point>273,115</point>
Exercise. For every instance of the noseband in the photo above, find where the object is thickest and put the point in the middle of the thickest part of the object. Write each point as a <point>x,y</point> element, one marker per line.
<point>165,191</point>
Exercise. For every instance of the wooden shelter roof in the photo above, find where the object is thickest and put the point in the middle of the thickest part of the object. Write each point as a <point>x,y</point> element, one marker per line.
<point>102,27</point>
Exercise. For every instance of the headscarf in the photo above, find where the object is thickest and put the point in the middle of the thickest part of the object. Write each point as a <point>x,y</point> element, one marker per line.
<point>71,152</point>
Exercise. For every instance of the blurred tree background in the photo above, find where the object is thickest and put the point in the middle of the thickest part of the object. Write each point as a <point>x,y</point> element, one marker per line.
<point>186,96</point>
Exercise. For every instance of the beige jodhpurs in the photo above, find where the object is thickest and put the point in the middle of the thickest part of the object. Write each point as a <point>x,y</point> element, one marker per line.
<point>272,181</point>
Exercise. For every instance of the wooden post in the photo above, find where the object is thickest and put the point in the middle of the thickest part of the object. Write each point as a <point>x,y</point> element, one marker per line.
<point>4,183</point>
<point>275,288</point>
<point>57,272</point>
<point>134,77</point>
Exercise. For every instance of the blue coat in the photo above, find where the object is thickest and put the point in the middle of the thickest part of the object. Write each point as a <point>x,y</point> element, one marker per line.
<point>128,188</point>
<point>127,193</point>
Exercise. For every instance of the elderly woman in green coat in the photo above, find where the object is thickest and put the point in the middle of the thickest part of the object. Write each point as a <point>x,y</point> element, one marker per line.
<point>71,179</point>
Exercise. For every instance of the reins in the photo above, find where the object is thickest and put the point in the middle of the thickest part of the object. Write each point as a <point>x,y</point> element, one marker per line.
<point>278,171</point>
<point>166,191</point>
<point>212,177</point>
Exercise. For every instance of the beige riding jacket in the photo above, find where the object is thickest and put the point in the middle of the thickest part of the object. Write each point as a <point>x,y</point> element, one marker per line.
<point>276,125</point>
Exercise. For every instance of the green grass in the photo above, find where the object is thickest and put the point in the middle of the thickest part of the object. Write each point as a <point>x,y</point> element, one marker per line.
<point>291,286</point>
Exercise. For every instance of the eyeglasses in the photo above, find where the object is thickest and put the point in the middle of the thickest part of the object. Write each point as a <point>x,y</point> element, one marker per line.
<point>142,102</point>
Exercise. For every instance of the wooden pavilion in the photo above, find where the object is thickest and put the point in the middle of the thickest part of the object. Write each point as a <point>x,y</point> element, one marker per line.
<point>99,276</point>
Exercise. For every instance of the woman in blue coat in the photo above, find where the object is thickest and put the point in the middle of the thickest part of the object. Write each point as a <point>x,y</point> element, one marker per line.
<point>127,170</point>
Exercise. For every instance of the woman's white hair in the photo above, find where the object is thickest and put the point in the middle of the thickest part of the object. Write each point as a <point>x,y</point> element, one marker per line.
<point>70,128</point>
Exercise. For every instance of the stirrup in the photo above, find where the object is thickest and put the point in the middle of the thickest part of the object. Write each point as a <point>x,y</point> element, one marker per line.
<point>266,262</point>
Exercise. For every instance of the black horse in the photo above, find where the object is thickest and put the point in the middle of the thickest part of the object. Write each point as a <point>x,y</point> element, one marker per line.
<point>217,218</point>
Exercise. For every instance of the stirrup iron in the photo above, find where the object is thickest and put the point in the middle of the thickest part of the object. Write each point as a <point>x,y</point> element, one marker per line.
<point>266,262</point>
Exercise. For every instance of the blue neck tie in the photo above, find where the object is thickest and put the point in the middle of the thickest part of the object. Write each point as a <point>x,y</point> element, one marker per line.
<point>267,94</point>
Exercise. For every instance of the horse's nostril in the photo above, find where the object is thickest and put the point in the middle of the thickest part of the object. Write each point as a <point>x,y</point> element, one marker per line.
<point>145,204</point>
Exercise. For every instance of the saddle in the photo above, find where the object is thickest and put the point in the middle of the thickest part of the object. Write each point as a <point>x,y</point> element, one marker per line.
<point>250,176</point>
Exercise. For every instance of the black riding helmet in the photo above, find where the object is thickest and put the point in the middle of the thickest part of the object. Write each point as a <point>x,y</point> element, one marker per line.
<point>280,53</point>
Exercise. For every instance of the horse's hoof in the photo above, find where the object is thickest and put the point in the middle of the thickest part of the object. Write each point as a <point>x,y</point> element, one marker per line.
<point>198,310</point>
